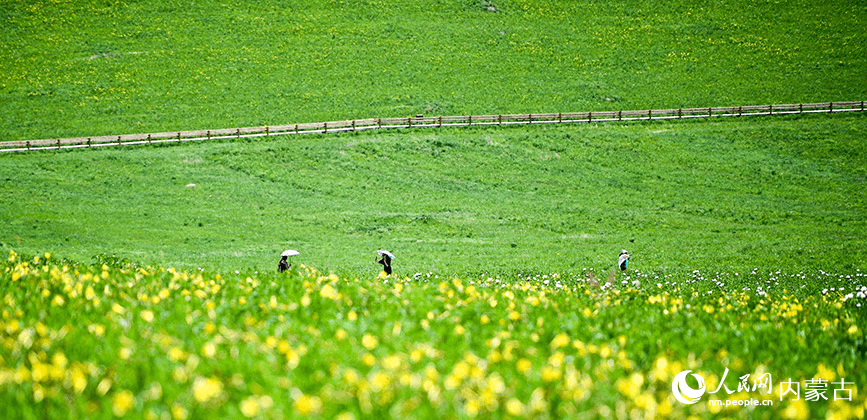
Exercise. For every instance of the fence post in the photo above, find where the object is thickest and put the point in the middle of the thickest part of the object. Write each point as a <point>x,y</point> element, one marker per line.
<point>379,123</point>
<point>209,134</point>
<point>119,143</point>
<point>559,117</point>
<point>441,120</point>
<point>296,128</point>
<point>740,111</point>
<point>500,116</point>
<point>267,131</point>
<point>470,119</point>
<point>530,118</point>
<point>326,127</point>
<point>680,113</point>
<point>408,122</point>
<point>353,125</point>
<point>28,145</point>
<point>862,105</point>
<point>771,109</point>
<point>58,143</point>
<point>237,133</point>
<point>179,136</point>
<point>830,107</point>
<point>649,114</point>
<point>590,117</point>
<point>88,142</point>
<point>620,115</point>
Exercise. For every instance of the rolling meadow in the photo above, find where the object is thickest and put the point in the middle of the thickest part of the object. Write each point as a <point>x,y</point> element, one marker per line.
<point>141,281</point>
<point>85,68</point>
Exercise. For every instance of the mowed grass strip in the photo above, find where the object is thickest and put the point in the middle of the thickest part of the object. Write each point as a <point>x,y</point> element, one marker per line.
<point>735,194</point>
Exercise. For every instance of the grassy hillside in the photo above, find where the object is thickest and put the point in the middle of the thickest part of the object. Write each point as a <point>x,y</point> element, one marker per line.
<point>747,233</point>
<point>736,194</point>
<point>72,67</point>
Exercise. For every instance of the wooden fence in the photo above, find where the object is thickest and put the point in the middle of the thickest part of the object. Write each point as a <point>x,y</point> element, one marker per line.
<point>422,121</point>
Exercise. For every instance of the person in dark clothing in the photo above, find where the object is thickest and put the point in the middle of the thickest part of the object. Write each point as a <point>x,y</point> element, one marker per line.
<point>284,264</point>
<point>623,260</point>
<point>385,261</point>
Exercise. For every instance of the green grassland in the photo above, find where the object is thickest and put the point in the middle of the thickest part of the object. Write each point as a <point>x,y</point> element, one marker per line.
<point>87,68</point>
<point>728,194</point>
<point>140,281</point>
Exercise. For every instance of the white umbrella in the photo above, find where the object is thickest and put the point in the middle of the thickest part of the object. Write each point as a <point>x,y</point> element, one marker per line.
<point>289,253</point>
<point>382,252</point>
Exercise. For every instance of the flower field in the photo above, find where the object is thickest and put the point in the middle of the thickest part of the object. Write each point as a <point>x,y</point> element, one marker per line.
<point>147,342</point>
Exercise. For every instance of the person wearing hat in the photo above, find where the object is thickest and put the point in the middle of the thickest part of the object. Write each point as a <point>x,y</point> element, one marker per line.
<point>623,260</point>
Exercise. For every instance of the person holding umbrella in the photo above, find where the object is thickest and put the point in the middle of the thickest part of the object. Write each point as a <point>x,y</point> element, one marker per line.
<point>623,260</point>
<point>385,261</point>
<point>284,263</point>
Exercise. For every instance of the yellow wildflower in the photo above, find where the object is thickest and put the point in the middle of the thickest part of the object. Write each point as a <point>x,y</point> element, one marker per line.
<point>122,402</point>
<point>103,386</point>
<point>179,412</point>
<point>514,407</point>
<point>341,334</point>
<point>250,406</point>
<point>391,362</point>
<point>561,340</point>
<point>551,374</point>
<point>176,354</point>
<point>368,359</point>
<point>631,386</point>
<point>825,373</point>
<point>307,405</point>
<point>78,379</point>
<point>205,389</point>
<point>209,350</point>
<point>524,365</point>
<point>796,410</point>
<point>369,342</point>
<point>380,381</point>
<point>328,292</point>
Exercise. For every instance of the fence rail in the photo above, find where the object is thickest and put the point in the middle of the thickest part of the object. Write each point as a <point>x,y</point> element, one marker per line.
<point>420,121</point>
